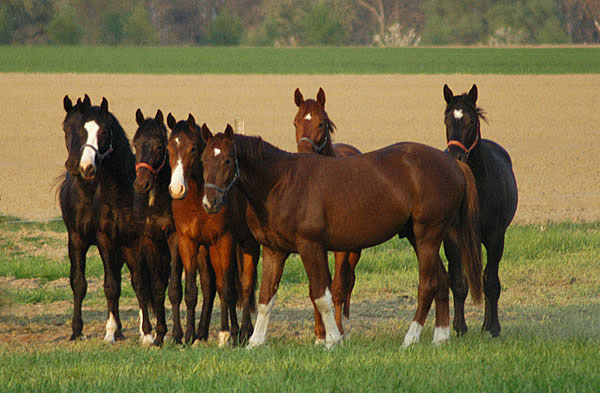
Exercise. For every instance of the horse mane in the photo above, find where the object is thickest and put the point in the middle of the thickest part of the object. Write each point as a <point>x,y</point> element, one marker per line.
<point>253,149</point>
<point>122,148</point>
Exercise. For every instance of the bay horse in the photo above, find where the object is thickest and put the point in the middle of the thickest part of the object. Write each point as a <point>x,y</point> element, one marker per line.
<point>232,250</point>
<point>96,197</point>
<point>152,209</point>
<point>498,197</point>
<point>313,135</point>
<point>308,204</point>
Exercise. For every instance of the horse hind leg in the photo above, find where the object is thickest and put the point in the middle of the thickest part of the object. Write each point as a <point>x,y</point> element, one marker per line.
<point>353,258</point>
<point>249,263</point>
<point>458,283</point>
<point>207,284</point>
<point>175,288</point>
<point>111,258</point>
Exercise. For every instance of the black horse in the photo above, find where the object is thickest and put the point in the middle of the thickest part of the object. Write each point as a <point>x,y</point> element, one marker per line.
<point>96,197</point>
<point>152,209</point>
<point>497,188</point>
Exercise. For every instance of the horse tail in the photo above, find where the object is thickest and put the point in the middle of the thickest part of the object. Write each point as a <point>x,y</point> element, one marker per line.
<point>470,238</point>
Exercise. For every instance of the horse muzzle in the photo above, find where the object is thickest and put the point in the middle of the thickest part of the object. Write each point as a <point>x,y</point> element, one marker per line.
<point>142,183</point>
<point>212,205</point>
<point>178,191</point>
<point>87,171</point>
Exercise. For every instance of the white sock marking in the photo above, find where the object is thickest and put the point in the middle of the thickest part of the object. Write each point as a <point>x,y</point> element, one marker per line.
<point>141,316</point>
<point>325,306</point>
<point>88,155</point>
<point>259,337</point>
<point>111,329</point>
<point>177,186</point>
<point>441,335</point>
<point>217,151</point>
<point>224,339</point>
<point>147,340</point>
<point>458,114</point>
<point>413,334</point>
<point>308,116</point>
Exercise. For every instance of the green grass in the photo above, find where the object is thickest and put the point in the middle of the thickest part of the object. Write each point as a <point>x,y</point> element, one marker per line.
<point>236,60</point>
<point>550,315</point>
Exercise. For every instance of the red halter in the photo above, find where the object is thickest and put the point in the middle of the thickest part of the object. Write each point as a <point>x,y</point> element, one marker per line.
<point>149,167</point>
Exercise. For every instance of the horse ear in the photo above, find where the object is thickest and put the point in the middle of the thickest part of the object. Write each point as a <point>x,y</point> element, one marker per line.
<point>139,117</point>
<point>448,95</point>
<point>104,105</point>
<point>171,121</point>
<point>159,116</point>
<point>229,131</point>
<point>321,97</point>
<point>87,101</point>
<point>191,121</point>
<point>473,94</point>
<point>206,134</point>
<point>298,98</point>
<point>67,104</point>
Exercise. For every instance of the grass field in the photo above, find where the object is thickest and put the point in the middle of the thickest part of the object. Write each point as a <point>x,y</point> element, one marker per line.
<point>207,60</point>
<point>550,311</point>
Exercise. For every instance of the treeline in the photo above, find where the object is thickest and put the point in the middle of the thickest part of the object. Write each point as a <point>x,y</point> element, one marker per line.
<point>299,22</point>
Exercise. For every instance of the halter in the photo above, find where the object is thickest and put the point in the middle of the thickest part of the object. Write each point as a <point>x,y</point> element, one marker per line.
<point>149,167</point>
<point>317,148</point>
<point>236,176</point>
<point>463,147</point>
<point>100,156</point>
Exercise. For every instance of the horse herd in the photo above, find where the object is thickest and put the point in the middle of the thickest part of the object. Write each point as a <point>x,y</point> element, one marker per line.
<point>190,201</point>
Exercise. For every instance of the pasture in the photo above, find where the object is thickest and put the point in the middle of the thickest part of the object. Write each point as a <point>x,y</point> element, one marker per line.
<point>550,305</point>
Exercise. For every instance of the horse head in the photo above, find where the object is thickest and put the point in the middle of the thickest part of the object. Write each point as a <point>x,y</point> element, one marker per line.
<point>313,127</point>
<point>185,146</point>
<point>150,143</point>
<point>462,122</point>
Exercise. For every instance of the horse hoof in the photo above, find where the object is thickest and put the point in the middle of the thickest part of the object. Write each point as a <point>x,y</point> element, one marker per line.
<point>319,341</point>
<point>147,340</point>
<point>413,335</point>
<point>224,339</point>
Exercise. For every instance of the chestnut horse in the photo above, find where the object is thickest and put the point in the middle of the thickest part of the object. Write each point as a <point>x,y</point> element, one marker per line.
<point>152,209</point>
<point>308,204</point>
<point>226,235</point>
<point>313,135</point>
<point>497,189</point>
<point>96,198</point>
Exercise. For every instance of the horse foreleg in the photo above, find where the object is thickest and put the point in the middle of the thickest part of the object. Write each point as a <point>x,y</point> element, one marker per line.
<point>314,258</point>
<point>138,265</point>
<point>272,265</point>
<point>207,284</point>
<point>491,284</point>
<point>223,259</point>
<point>111,258</point>
<point>458,282</point>
<point>188,251</point>
<point>250,256</point>
<point>77,251</point>
<point>175,289</point>
<point>441,333</point>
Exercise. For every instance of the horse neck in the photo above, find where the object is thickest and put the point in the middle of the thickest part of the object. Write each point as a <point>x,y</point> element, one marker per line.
<point>476,162</point>
<point>328,149</point>
<point>119,166</point>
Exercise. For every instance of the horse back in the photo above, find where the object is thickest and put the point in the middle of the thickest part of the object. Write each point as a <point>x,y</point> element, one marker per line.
<point>344,150</point>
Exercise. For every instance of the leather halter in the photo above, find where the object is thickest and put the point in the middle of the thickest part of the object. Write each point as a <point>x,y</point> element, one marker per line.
<point>100,156</point>
<point>317,148</point>
<point>149,167</point>
<point>236,176</point>
<point>463,147</point>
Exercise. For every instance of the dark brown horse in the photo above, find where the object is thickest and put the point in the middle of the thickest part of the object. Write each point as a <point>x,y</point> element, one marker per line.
<point>313,134</point>
<point>222,233</point>
<point>152,209</point>
<point>96,199</point>
<point>308,204</point>
<point>497,189</point>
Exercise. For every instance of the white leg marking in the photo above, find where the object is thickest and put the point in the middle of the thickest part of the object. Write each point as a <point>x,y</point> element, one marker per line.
<point>347,327</point>
<point>141,315</point>
<point>325,306</point>
<point>146,339</point>
<point>441,335</point>
<point>177,186</point>
<point>111,328</point>
<point>224,339</point>
<point>458,114</point>
<point>413,334</point>
<point>217,151</point>
<point>319,341</point>
<point>262,323</point>
<point>88,156</point>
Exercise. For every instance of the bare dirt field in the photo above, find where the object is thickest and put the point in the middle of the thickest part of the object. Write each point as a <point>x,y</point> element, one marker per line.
<point>549,124</point>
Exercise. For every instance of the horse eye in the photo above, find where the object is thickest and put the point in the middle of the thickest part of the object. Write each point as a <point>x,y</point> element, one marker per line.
<point>321,124</point>
<point>228,161</point>
<point>193,149</point>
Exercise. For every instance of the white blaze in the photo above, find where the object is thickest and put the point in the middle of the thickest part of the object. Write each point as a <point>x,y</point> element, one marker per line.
<point>308,116</point>
<point>413,334</point>
<point>262,323</point>
<point>325,306</point>
<point>88,156</point>
<point>177,186</point>
<point>458,114</point>
<point>111,328</point>
<point>217,151</point>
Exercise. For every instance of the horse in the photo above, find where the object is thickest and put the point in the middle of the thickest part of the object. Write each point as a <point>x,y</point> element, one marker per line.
<point>152,209</point>
<point>96,198</point>
<point>309,203</point>
<point>225,234</point>
<point>498,197</point>
<point>313,134</point>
